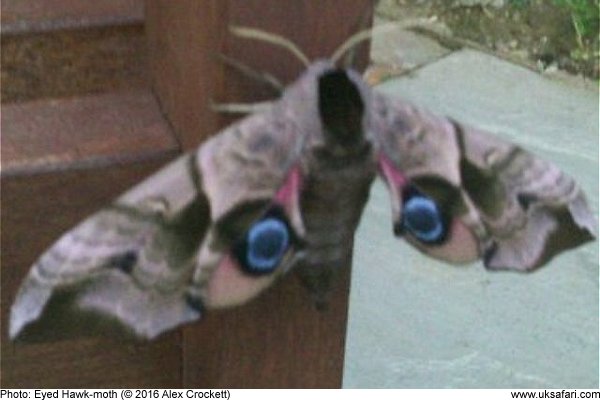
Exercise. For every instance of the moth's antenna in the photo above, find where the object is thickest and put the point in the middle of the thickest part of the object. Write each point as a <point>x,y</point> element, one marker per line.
<point>359,37</point>
<point>369,33</point>
<point>251,33</point>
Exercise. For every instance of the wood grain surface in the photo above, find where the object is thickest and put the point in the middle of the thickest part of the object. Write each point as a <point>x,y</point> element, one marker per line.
<point>65,158</point>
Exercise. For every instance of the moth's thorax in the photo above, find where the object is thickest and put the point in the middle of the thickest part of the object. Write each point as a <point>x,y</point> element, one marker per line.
<point>330,106</point>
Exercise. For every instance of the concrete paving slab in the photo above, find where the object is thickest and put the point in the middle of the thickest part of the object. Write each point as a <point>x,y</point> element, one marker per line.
<point>417,323</point>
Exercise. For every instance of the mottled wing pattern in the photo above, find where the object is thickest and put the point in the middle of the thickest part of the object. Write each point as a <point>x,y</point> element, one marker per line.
<point>130,261</point>
<point>147,259</point>
<point>531,209</point>
<point>250,162</point>
<point>501,203</point>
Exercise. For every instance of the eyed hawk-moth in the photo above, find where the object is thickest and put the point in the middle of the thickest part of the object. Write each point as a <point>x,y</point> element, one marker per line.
<point>283,189</point>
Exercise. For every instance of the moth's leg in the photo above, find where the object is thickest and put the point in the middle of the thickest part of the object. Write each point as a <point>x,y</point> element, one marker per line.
<point>259,76</point>
<point>241,108</point>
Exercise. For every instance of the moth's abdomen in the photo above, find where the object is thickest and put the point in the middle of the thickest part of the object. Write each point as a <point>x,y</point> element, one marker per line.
<point>332,202</point>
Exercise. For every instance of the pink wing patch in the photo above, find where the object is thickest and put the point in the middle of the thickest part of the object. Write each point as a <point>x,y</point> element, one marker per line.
<point>395,181</point>
<point>229,285</point>
<point>460,246</point>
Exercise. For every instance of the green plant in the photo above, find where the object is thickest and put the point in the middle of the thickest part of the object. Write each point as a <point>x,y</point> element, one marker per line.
<point>519,3</point>
<point>585,16</point>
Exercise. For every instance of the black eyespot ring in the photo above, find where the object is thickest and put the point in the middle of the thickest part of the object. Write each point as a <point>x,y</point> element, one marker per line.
<point>261,249</point>
<point>422,217</point>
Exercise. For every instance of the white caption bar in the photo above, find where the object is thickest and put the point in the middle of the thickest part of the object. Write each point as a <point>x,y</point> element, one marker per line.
<point>120,394</point>
<point>288,394</point>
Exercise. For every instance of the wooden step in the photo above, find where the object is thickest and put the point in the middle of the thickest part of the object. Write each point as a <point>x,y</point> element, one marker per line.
<point>73,62</point>
<point>20,16</point>
<point>83,132</point>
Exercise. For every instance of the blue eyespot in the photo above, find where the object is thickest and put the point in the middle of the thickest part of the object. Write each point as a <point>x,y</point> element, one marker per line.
<point>265,244</point>
<point>422,217</point>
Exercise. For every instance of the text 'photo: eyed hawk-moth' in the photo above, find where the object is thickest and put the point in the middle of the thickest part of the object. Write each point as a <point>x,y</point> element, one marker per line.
<point>284,188</point>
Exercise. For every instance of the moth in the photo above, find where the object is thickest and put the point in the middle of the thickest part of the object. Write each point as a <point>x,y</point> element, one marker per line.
<point>283,189</point>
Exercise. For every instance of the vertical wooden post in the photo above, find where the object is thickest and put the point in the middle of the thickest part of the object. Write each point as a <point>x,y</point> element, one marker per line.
<point>186,37</point>
<point>278,340</point>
